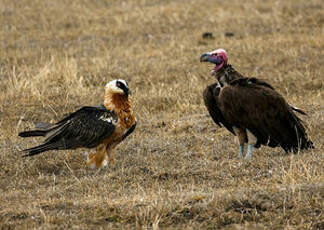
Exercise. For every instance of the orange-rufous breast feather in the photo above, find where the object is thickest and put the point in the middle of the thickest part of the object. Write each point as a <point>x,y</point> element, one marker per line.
<point>121,105</point>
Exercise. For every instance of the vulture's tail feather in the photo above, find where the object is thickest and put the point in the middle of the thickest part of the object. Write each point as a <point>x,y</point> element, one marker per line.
<point>39,149</point>
<point>33,133</point>
<point>308,144</point>
<point>303,142</point>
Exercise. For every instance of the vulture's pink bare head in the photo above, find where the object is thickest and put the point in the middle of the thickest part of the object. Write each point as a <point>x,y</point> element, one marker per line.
<point>217,57</point>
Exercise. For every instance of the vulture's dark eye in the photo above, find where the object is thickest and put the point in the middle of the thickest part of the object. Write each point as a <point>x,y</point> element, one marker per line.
<point>118,84</point>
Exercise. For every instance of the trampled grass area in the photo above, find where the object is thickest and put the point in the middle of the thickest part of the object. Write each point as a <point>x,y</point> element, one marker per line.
<point>178,170</point>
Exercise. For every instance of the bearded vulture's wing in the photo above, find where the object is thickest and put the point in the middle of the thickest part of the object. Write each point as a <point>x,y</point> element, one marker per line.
<point>265,113</point>
<point>210,95</point>
<point>87,127</point>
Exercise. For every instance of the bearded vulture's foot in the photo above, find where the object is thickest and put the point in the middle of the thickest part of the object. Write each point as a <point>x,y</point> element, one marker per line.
<point>241,151</point>
<point>249,153</point>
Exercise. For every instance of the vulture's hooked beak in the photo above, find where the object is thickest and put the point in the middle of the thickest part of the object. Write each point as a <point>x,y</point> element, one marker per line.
<point>204,58</point>
<point>127,92</point>
<point>211,58</point>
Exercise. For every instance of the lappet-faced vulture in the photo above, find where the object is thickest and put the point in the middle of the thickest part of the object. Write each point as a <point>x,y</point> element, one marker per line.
<point>252,109</point>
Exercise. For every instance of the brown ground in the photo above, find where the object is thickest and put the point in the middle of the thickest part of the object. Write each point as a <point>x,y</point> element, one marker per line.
<point>178,170</point>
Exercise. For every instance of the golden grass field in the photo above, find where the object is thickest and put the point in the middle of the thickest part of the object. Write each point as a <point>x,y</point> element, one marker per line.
<point>178,170</point>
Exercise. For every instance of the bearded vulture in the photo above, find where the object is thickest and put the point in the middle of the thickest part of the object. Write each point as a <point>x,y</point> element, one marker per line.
<point>98,129</point>
<point>252,109</point>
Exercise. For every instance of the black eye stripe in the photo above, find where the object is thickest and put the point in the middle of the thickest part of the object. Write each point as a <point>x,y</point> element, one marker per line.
<point>122,85</point>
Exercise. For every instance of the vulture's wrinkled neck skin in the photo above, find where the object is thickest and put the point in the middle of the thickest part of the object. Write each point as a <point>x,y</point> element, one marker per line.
<point>227,74</point>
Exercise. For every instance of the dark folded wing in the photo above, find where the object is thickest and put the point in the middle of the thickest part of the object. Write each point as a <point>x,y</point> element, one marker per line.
<point>246,81</point>
<point>263,111</point>
<point>87,127</point>
<point>259,82</point>
<point>210,95</point>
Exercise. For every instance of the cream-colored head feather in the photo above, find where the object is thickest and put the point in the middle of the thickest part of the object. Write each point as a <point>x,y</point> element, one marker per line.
<point>112,86</point>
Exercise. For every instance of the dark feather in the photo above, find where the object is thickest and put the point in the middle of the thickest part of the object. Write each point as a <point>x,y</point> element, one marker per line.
<point>41,148</point>
<point>298,110</point>
<point>33,133</point>
<point>257,107</point>
<point>260,82</point>
<point>210,95</point>
<point>87,127</point>
<point>249,81</point>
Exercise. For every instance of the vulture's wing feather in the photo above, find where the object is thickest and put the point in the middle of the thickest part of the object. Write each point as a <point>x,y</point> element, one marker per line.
<point>87,127</point>
<point>246,81</point>
<point>298,110</point>
<point>210,95</point>
<point>260,82</point>
<point>263,111</point>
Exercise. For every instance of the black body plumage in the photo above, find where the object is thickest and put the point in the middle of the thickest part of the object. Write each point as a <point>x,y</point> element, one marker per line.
<point>253,104</point>
<point>87,127</point>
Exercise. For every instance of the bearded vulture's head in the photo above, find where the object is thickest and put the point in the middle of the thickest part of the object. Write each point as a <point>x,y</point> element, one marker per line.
<point>118,86</point>
<point>217,57</point>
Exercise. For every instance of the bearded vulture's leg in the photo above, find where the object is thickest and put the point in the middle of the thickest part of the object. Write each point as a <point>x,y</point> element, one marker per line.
<point>111,154</point>
<point>89,154</point>
<point>97,159</point>
<point>111,157</point>
<point>252,141</point>
<point>242,138</point>
<point>90,158</point>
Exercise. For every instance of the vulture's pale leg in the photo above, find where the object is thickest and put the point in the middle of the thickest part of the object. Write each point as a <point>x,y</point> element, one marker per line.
<point>98,159</point>
<point>111,154</point>
<point>241,135</point>
<point>90,158</point>
<point>249,153</point>
<point>111,157</point>
<point>89,154</point>
<point>241,151</point>
<point>251,142</point>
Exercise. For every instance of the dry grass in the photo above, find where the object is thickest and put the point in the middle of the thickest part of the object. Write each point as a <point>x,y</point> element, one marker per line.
<point>178,170</point>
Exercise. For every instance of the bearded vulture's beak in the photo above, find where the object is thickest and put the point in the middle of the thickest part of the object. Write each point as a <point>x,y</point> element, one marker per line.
<point>129,92</point>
